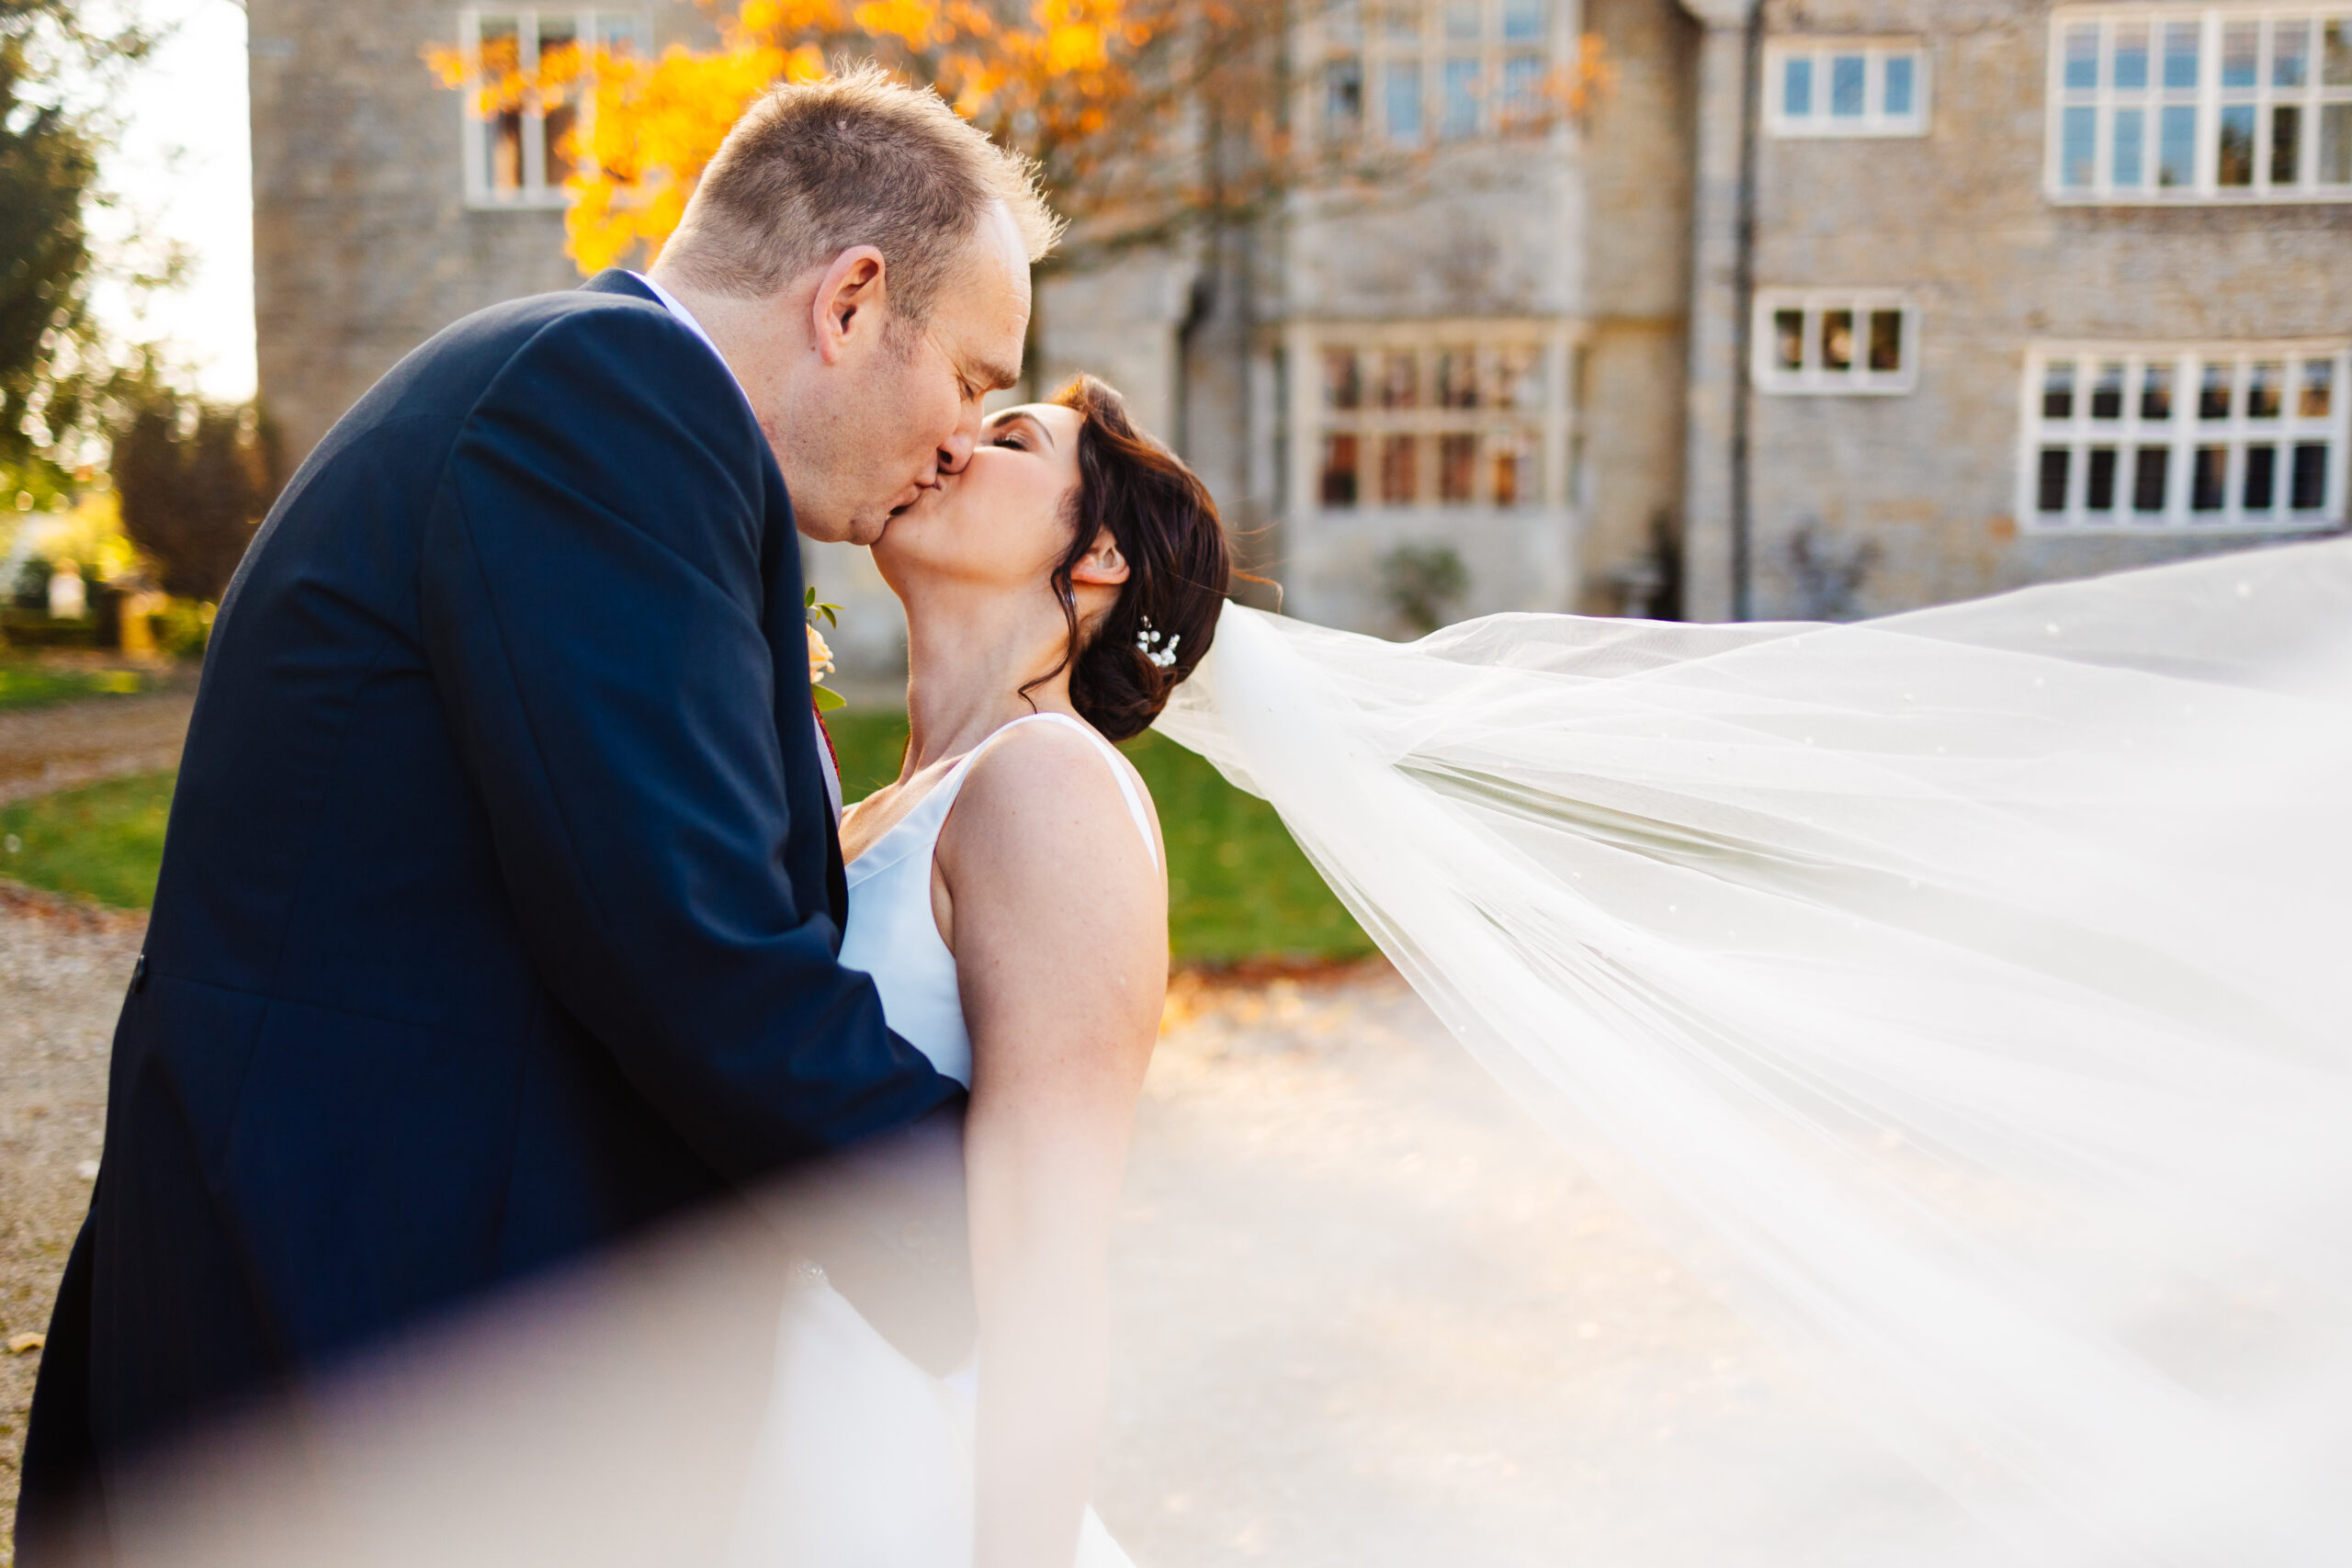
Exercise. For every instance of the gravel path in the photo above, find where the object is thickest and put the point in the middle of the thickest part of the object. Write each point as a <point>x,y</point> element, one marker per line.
<point>62,967</point>
<point>54,747</point>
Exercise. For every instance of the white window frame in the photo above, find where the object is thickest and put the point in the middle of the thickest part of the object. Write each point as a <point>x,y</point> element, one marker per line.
<point>2182,436</point>
<point>1874,121</point>
<point>1552,422</point>
<point>2207,100</point>
<point>1358,33</point>
<point>534,190</point>
<point>1815,377</point>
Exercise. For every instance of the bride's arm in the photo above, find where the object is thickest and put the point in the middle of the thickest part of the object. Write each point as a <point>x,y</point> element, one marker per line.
<point>1059,919</point>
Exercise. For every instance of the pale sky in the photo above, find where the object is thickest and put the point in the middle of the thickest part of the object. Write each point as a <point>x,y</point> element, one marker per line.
<point>184,171</point>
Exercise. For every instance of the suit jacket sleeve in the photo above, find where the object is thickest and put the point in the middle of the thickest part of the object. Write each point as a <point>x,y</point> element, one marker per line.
<point>594,607</point>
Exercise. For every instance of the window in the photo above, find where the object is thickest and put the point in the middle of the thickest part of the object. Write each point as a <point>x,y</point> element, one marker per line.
<point>518,153</point>
<point>1428,416</point>
<point>2202,103</point>
<point>1836,341</point>
<point>1406,73</point>
<point>1844,87</point>
<point>2248,436</point>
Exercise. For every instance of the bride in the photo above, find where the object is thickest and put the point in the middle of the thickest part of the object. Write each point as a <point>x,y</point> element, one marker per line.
<point>1007,894</point>
<point>1961,994</point>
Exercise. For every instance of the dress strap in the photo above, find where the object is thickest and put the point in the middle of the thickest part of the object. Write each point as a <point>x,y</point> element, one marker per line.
<point>1127,791</point>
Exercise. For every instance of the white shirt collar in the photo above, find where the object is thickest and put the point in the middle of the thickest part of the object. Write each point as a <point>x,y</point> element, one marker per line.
<point>671,303</point>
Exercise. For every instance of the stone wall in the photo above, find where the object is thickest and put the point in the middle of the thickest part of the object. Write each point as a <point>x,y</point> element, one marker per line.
<point>1959,220</point>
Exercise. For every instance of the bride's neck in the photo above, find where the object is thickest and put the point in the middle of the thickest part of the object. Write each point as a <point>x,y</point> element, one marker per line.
<point>966,663</point>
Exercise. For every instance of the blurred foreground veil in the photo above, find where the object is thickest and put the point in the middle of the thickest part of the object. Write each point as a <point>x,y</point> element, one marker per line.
<point>1965,995</point>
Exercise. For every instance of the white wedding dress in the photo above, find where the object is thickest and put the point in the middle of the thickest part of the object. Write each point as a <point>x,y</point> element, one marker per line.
<point>864,1459</point>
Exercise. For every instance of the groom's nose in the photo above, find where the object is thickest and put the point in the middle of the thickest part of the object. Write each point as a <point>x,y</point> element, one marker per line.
<point>956,450</point>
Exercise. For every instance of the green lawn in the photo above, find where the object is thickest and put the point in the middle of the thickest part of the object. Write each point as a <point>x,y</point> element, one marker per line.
<point>103,841</point>
<point>1238,887</point>
<point>24,685</point>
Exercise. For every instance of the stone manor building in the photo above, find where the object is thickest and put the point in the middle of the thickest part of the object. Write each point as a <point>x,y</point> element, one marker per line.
<point>1840,308</point>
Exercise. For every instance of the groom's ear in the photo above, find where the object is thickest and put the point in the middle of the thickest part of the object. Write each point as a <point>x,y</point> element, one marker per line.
<point>1102,565</point>
<point>849,301</point>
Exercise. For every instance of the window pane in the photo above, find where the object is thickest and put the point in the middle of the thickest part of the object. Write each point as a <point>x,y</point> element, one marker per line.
<point>2058,390</point>
<point>506,153</point>
<point>2082,55</point>
<point>2155,393</point>
<point>2290,51</point>
<point>2335,54</point>
<point>2266,391</point>
<point>562,120</point>
<point>1519,377</point>
<point>2310,478</point>
<point>1901,85</point>
<point>1796,89</point>
<point>2150,480</point>
<point>1457,467</point>
<point>2241,54</point>
<point>1457,378</point>
<point>2131,54</point>
<point>1524,21</point>
<point>1400,92</point>
<point>2176,158</point>
<point>2101,480</point>
<point>1788,335</point>
<point>2131,148</point>
<point>617,32</point>
<point>1461,97</point>
<point>2235,164</point>
<point>1339,470</point>
<point>1343,99</point>
<point>1342,379</point>
<point>2335,145</point>
<point>2209,483</point>
<point>2181,41</point>
<point>1886,341</point>
<point>2261,478</point>
<point>1837,340</point>
<point>1400,470</point>
<point>1462,19</point>
<point>1511,463</point>
<point>1400,380</point>
<point>1849,86</point>
<point>2079,149</point>
<point>1523,87</point>
<point>2056,467</point>
<point>2107,393</point>
<point>2213,397</point>
<point>2286,145</point>
<point>2319,379</point>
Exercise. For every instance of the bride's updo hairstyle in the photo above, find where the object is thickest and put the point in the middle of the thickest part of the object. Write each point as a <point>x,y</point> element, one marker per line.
<point>1166,529</point>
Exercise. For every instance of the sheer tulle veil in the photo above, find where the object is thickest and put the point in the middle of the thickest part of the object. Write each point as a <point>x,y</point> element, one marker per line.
<point>1966,995</point>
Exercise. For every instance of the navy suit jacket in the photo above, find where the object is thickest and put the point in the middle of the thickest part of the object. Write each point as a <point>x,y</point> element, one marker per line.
<point>501,898</point>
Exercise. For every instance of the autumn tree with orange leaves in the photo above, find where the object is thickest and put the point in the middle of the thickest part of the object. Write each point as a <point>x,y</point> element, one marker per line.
<point>1145,117</point>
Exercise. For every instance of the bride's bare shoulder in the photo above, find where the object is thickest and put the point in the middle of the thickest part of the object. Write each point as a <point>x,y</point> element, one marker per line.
<point>1052,789</point>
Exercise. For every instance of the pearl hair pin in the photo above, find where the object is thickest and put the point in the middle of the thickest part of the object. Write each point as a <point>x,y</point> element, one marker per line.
<point>1148,644</point>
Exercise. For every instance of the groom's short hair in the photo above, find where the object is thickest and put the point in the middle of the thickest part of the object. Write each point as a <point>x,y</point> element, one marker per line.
<point>857,159</point>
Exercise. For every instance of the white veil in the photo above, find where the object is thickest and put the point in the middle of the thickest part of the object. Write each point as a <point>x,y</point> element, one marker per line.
<point>1966,995</point>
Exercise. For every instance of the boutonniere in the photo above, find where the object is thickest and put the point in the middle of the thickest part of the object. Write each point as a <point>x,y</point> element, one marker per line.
<point>821,658</point>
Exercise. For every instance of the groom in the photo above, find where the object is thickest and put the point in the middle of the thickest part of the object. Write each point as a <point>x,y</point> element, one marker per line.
<point>500,905</point>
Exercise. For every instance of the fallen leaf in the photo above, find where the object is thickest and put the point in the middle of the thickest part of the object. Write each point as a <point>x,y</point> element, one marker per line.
<point>25,1344</point>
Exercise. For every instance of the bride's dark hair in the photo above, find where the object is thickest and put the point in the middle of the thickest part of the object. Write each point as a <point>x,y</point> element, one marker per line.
<point>1178,566</point>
